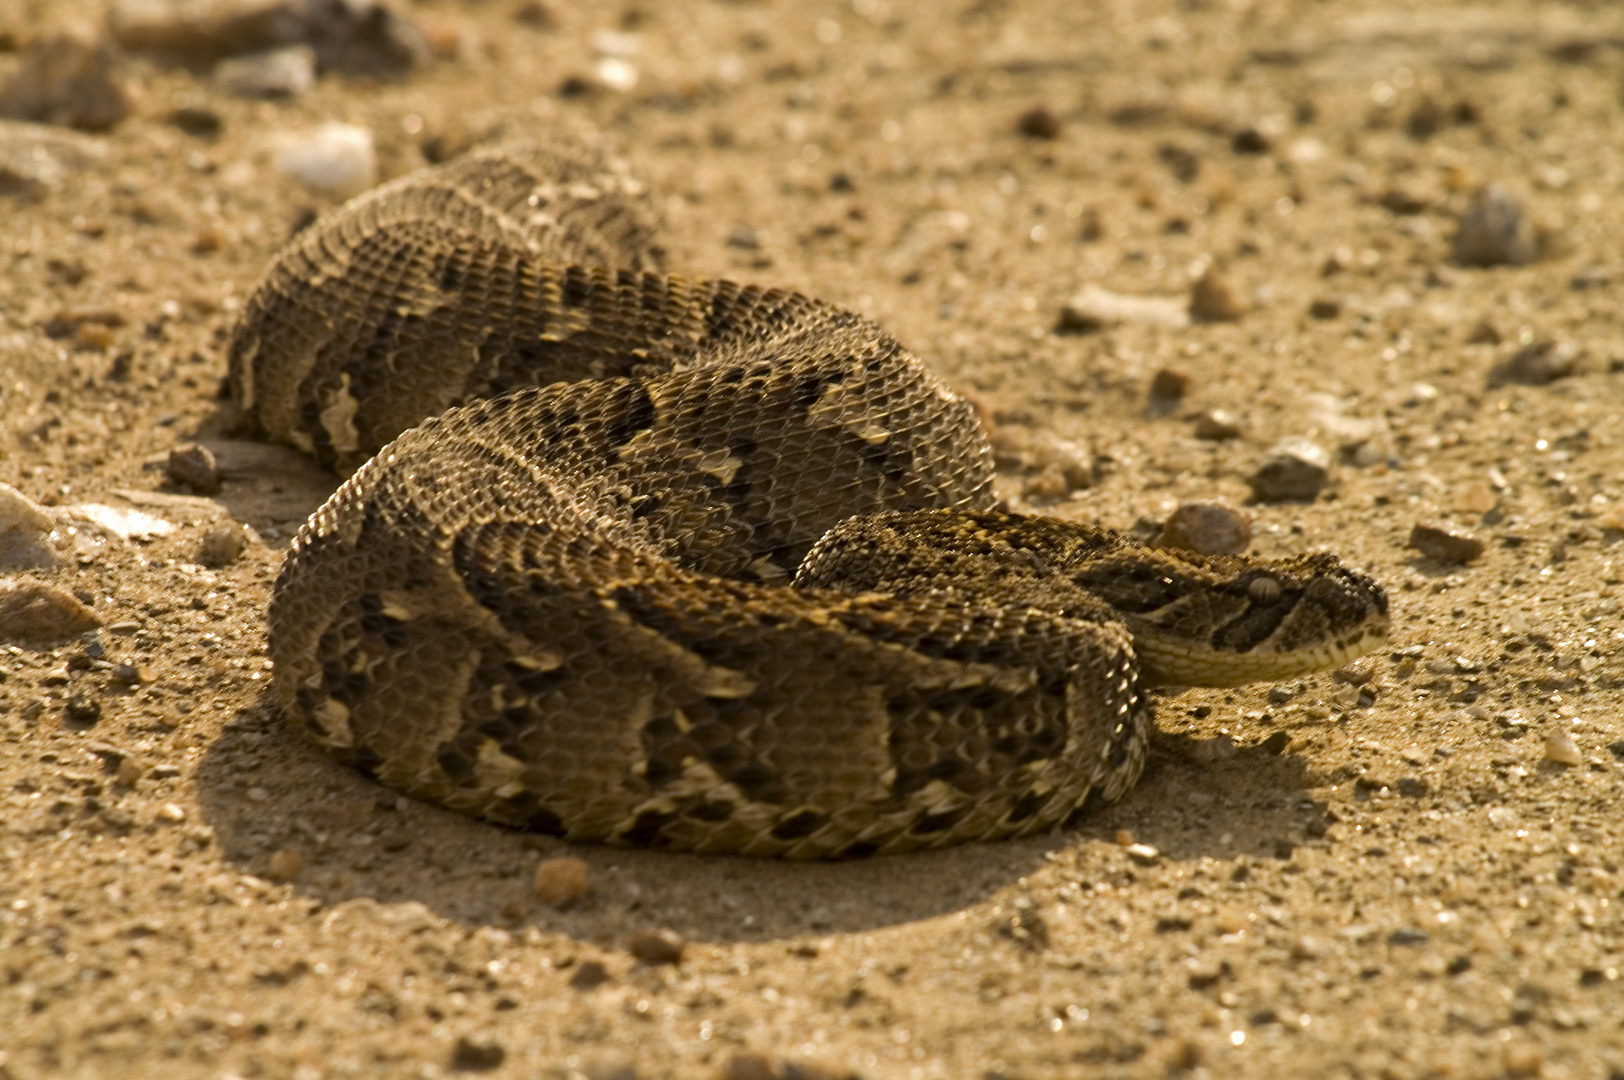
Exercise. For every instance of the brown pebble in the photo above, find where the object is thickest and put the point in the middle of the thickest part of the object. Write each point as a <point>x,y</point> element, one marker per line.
<point>1522,1060</point>
<point>67,79</point>
<point>1214,299</point>
<point>588,974</point>
<point>222,545</point>
<point>1211,528</point>
<point>560,880</point>
<point>284,865</point>
<point>1445,543</point>
<point>1124,838</point>
<point>129,771</point>
<point>34,612</point>
<point>1325,308</point>
<point>1536,364</point>
<point>1169,385</point>
<point>752,1067</point>
<point>477,1053</point>
<point>1484,333</point>
<point>535,14</point>
<point>1560,748</point>
<point>1217,424</point>
<point>1296,469</point>
<point>1039,122</point>
<point>1250,140</point>
<point>1401,200</point>
<point>194,466</point>
<point>657,946</point>
<point>1356,672</point>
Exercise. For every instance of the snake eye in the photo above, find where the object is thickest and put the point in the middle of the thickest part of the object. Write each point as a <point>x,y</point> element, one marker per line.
<point>1264,591</point>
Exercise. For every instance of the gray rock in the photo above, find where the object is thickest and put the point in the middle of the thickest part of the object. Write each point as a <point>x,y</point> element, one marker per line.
<point>356,36</point>
<point>1496,231</point>
<point>1536,364</point>
<point>279,73</point>
<point>1296,469</point>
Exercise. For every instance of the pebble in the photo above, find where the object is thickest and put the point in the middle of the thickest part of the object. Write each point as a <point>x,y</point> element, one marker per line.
<point>589,974</point>
<point>1295,469</point>
<point>67,79</point>
<point>561,880</point>
<point>1536,364</point>
<point>276,73</point>
<point>477,1053</point>
<point>1168,385</point>
<point>222,545</point>
<point>1250,140</point>
<point>335,158</point>
<point>1495,231</point>
<point>25,532</point>
<point>1356,672</point>
<point>194,466</point>
<point>35,159</point>
<point>1144,854</point>
<point>1094,308</point>
<point>1214,299</point>
<point>755,1065</point>
<point>1560,748</point>
<point>362,37</point>
<point>34,612</point>
<point>81,713</point>
<point>120,522</point>
<point>657,946</point>
<point>1039,122</point>
<point>744,238</point>
<point>1216,425</point>
<point>534,13</point>
<point>1325,308</point>
<point>1211,528</point>
<point>1522,1060</point>
<point>285,865</point>
<point>1445,543</point>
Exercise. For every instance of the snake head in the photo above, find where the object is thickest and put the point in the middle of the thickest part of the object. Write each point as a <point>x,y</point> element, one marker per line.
<point>1227,620</point>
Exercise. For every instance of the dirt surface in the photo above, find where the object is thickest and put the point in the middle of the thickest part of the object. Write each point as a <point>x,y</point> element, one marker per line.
<point>1410,876</point>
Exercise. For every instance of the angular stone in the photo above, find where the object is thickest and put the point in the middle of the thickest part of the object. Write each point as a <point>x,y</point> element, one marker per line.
<point>1496,231</point>
<point>67,79</point>
<point>1444,543</point>
<point>1295,469</point>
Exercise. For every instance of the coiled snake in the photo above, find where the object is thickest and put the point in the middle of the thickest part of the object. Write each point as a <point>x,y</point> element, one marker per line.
<point>691,564</point>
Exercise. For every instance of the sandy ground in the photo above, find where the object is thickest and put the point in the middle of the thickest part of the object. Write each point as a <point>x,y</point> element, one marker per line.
<point>1381,880</point>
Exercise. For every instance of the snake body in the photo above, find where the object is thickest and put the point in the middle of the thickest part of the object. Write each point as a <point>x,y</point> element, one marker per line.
<point>690,564</point>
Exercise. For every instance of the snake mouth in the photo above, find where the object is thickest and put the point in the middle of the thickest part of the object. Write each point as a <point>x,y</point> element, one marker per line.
<point>1168,660</point>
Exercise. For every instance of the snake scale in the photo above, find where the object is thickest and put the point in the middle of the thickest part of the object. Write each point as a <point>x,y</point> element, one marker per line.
<point>690,564</point>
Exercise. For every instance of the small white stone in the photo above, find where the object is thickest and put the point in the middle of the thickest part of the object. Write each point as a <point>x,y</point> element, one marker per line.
<point>336,158</point>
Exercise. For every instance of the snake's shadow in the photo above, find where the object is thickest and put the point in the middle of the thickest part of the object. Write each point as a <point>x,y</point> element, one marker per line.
<point>265,792</point>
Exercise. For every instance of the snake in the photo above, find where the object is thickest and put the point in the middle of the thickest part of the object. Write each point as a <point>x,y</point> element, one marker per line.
<point>632,558</point>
